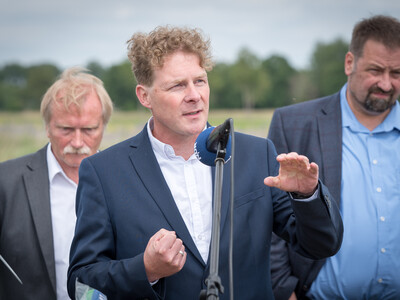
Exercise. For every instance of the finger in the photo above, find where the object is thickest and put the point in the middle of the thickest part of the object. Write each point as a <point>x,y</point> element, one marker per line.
<point>303,160</point>
<point>174,255</point>
<point>168,242</point>
<point>177,246</point>
<point>180,257</point>
<point>161,238</point>
<point>161,233</point>
<point>272,181</point>
<point>181,253</point>
<point>289,160</point>
<point>293,155</point>
<point>281,157</point>
<point>293,161</point>
<point>314,168</point>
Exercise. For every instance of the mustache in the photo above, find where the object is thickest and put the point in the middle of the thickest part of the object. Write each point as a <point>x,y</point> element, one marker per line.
<point>376,89</point>
<point>71,150</point>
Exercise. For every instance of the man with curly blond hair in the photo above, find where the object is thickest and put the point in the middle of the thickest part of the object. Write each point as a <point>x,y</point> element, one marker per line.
<point>144,206</point>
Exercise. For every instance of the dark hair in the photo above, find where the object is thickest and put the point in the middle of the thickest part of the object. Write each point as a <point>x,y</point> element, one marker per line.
<point>383,29</point>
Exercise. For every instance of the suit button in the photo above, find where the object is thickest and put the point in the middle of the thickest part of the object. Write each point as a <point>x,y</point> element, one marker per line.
<point>305,288</point>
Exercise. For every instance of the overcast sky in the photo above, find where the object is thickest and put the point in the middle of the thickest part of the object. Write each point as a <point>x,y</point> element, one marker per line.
<point>74,32</point>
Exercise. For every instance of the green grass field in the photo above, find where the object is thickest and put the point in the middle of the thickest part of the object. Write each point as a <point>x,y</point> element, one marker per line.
<point>24,132</point>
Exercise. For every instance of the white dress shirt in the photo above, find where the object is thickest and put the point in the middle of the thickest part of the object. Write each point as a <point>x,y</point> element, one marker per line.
<point>63,217</point>
<point>190,182</point>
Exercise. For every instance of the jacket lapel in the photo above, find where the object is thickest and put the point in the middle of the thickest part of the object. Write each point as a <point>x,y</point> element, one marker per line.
<point>147,168</point>
<point>330,135</point>
<point>37,188</point>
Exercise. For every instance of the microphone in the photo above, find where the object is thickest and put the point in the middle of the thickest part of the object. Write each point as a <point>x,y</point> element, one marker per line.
<point>206,145</point>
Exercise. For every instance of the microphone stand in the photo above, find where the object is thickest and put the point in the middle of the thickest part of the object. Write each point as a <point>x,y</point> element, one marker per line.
<point>213,281</point>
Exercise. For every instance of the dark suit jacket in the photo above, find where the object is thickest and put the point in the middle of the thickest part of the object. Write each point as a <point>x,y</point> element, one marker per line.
<point>26,238</point>
<point>123,199</point>
<point>314,129</point>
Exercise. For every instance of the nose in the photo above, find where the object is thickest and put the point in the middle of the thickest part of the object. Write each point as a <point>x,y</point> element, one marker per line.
<point>77,140</point>
<point>192,94</point>
<point>385,83</point>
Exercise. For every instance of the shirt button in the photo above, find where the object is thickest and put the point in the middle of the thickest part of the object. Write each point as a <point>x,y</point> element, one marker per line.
<point>378,189</point>
<point>382,219</point>
<point>380,280</point>
<point>374,161</point>
<point>383,250</point>
<point>200,237</point>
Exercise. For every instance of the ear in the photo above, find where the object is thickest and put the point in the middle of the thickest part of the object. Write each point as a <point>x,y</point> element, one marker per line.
<point>48,130</point>
<point>349,63</point>
<point>143,95</point>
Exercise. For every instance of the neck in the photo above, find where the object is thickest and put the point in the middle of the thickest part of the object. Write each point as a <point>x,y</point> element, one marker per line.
<point>72,173</point>
<point>182,145</point>
<point>184,148</point>
<point>371,122</point>
<point>368,119</point>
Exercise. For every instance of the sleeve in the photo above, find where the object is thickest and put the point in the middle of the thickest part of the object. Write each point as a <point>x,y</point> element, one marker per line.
<point>318,232</point>
<point>93,253</point>
<point>314,228</point>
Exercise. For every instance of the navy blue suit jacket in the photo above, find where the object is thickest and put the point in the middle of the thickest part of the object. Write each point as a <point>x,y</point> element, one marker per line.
<point>314,129</point>
<point>123,199</point>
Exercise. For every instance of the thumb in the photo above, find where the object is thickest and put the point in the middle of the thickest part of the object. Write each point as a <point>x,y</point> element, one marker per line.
<point>272,181</point>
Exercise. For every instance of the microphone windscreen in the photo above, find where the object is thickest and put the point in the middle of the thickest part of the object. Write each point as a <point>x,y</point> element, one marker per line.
<point>206,156</point>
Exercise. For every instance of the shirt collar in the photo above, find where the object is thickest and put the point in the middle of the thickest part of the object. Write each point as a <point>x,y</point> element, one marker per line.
<point>391,122</point>
<point>164,150</point>
<point>159,147</point>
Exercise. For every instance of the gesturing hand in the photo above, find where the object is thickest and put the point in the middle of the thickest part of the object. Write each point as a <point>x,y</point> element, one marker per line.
<point>164,255</point>
<point>296,174</point>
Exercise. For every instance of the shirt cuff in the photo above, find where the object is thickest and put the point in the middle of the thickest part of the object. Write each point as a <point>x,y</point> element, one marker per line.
<point>154,282</point>
<point>312,197</point>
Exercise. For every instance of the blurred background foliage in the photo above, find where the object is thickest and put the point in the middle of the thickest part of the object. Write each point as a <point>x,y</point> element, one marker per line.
<point>248,83</point>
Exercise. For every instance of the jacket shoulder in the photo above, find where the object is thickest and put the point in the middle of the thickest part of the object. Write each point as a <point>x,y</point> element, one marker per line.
<point>20,163</point>
<point>311,105</point>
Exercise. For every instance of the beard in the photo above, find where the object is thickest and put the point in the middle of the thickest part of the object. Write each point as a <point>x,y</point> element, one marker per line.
<point>378,105</point>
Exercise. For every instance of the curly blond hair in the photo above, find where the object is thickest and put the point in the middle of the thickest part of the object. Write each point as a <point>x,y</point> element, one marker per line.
<point>148,51</point>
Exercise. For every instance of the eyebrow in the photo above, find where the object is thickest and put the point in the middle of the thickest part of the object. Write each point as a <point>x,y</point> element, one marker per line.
<point>168,84</point>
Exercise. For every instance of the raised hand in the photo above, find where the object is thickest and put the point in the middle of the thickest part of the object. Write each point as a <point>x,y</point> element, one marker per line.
<point>296,174</point>
<point>164,255</point>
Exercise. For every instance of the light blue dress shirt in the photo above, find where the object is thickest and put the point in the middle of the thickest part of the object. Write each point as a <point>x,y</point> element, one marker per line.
<point>368,263</point>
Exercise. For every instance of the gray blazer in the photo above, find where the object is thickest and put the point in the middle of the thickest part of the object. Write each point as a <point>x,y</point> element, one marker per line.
<point>26,237</point>
<point>314,129</point>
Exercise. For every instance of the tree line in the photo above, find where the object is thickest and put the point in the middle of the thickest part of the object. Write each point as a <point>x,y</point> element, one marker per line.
<point>249,82</point>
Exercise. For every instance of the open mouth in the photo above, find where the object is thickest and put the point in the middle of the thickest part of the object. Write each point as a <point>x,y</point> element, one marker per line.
<point>192,113</point>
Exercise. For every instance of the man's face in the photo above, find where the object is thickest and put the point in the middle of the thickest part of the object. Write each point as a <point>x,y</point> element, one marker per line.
<point>75,134</point>
<point>374,79</point>
<point>178,98</point>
